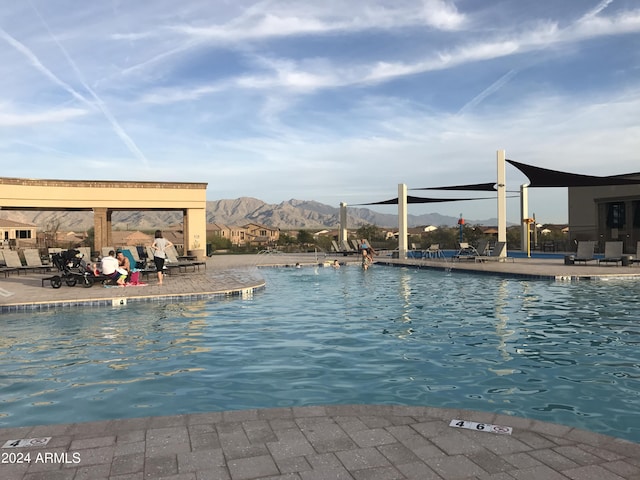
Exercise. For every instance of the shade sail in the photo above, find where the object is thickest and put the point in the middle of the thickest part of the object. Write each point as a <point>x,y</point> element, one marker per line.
<point>544,177</point>
<point>411,199</point>
<point>477,187</point>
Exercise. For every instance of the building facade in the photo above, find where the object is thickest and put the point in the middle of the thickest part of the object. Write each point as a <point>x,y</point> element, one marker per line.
<point>606,213</point>
<point>16,234</point>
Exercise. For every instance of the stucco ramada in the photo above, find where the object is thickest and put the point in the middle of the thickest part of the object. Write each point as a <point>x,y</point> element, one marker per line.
<point>103,197</point>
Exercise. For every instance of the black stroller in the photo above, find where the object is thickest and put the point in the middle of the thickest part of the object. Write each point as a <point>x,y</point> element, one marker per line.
<point>73,269</point>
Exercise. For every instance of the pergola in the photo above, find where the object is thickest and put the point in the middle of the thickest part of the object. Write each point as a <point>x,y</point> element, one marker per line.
<point>105,196</point>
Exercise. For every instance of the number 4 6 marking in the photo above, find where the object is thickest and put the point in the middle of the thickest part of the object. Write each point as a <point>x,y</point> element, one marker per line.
<point>481,427</point>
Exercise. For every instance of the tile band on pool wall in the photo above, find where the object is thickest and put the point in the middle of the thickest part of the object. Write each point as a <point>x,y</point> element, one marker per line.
<point>109,302</point>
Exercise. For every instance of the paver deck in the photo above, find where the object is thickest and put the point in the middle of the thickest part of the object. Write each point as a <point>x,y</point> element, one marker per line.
<point>354,442</point>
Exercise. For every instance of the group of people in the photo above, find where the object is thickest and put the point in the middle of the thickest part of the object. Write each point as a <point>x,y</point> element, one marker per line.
<point>117,264</point>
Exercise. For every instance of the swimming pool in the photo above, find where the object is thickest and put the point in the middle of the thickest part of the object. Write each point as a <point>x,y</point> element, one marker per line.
<point>559,352</point>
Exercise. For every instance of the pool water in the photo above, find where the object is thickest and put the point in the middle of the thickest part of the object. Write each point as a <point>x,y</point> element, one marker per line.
<point>560,352</point>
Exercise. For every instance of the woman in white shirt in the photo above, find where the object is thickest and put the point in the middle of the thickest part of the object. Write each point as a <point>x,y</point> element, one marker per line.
<point>159,245</point>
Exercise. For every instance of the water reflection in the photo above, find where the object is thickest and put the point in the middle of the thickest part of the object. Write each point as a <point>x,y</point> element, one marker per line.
<point>387,335</point>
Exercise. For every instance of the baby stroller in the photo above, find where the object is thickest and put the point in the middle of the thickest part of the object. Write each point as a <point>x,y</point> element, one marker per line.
<point>73,269</point>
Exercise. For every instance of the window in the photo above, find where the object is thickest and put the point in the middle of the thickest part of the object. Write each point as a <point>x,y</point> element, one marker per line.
<point>636,214</point>
<point>23,233</point>
<point>615,215</point>
<point>263,233</point>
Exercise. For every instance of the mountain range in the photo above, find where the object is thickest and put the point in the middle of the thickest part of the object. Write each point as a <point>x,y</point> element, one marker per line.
<point>288,215</point>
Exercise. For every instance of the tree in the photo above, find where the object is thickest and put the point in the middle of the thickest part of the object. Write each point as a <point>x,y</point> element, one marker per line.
<point>304,237</point>
<point>51,228</point>
<point>370,232</point>
<point>218,242</point>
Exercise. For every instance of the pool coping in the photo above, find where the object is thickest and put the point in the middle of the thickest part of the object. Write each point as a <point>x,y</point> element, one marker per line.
<point>123,300</point>
<point>522,268</point>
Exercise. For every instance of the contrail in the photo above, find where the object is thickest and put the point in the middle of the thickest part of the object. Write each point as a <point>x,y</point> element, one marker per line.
<point>494,87</point>
<point>128,141</point>
<point>39,66</point>
<point>595,11</point>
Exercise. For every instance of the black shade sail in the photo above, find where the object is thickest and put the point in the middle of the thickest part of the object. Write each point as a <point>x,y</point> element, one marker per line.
<point>411,199</point>
<point>476,187</point>
<point>544,177</point>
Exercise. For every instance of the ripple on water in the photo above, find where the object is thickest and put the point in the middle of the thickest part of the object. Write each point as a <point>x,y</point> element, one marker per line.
<point>559,352</point>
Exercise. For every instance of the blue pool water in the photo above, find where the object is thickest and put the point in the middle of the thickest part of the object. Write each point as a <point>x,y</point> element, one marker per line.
<point>560,352</point>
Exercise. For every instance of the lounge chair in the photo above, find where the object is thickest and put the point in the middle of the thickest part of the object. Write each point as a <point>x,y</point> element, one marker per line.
<point>137,267</point>
<point>585,253</point>
<point>496,254</point>
<point>168,264</point>
<point>181,263</point>
<point>347,248</point>
<point>33,260</point>
<point>466,252</point>
<point>134,259</point>
<point>12,259</point>
<point>336,249</point>
<point>4,268</point>
<point>433,251</point>
<point>483,247</point>
<point>612,253</point>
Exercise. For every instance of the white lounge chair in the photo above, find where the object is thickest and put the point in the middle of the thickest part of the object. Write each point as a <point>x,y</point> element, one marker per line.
<point>33,260</point>
<point>466,252</point>
<point>499,253</point>
<point>433,251</point>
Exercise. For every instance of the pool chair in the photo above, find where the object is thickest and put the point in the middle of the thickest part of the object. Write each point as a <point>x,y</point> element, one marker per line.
<point>33,260</point>
<point>4,268</point>
<point>612,253</point>
<point>433,251</point>
<point>466,252</point>
<point>498,254</point>
<point>183,262</point>
<point>483,247</point>
<point>137,268</point>
<point>347,248</point>
<point>342,251</point>
<point>12,259</point>
<point>586,249</point>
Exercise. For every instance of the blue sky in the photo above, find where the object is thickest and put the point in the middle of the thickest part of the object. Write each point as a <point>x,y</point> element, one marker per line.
<point>331,101</point>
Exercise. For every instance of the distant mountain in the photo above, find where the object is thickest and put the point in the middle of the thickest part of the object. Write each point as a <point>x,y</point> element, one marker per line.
<point>292,214</point>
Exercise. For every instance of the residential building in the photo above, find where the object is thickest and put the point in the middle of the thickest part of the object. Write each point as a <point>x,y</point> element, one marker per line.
<point>16,234</point>
<point>261,235</point>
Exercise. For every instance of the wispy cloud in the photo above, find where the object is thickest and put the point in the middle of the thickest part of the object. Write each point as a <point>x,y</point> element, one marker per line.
<point>51,116</point>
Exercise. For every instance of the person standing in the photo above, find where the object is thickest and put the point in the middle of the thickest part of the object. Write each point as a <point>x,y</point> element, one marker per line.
<point>159,246</point>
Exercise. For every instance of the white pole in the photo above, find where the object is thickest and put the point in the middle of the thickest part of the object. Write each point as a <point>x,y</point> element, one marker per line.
<point>502,199</point>
<point>342,234</point>
<point>402,221</point>
<point>524,213</point>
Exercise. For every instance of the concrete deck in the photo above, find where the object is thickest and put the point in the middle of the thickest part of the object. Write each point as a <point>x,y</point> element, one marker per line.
<point>362,442</point>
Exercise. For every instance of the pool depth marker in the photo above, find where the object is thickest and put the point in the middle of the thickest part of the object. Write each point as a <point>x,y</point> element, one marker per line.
<point>481,427</point>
